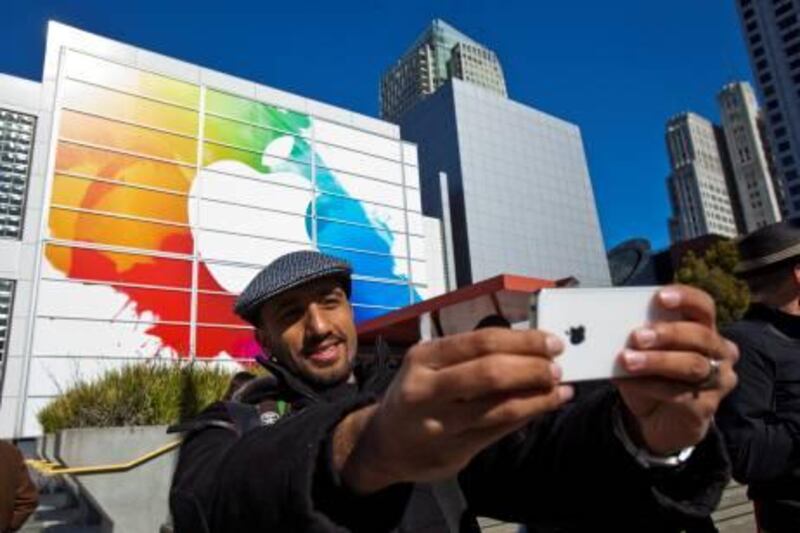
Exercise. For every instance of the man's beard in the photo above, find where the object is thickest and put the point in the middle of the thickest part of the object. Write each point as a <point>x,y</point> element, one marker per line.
<point>327,381</point>
<point>317,380</point>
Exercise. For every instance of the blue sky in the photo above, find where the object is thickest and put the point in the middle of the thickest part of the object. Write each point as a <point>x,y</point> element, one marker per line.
<point>618,69</point>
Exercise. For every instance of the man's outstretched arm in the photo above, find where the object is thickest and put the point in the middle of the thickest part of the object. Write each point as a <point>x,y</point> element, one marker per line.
<point>455,397</point>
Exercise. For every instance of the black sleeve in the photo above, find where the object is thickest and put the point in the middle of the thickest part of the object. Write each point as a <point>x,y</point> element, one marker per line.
<point>568,469</point>
<point>280,478</point>
<point>762,445</point>
<point>194,480</point>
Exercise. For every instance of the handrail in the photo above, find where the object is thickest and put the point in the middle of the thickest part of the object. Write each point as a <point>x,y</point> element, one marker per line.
<point>48,468</point>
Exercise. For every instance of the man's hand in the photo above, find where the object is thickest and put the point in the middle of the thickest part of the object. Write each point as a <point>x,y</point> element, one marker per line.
<point>668,408</point>
<point>451,398</point>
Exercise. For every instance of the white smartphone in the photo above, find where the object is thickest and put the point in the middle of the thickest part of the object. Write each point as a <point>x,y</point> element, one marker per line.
<point>595,325</point>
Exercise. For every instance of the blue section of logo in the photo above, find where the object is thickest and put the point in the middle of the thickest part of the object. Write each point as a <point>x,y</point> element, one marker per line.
<point>360,232</point>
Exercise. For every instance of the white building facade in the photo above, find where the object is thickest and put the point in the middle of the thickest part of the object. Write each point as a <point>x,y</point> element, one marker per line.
<point>157,189</point>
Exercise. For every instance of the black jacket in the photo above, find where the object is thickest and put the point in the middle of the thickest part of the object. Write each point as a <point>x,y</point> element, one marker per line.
<point>761,417</point>
<point>564,472</point>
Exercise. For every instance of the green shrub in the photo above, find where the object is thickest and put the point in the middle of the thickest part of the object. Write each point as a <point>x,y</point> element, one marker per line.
<point>138,394</point>
<point>714,273</point>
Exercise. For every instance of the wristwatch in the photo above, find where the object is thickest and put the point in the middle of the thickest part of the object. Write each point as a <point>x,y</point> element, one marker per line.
<point>641,454</point>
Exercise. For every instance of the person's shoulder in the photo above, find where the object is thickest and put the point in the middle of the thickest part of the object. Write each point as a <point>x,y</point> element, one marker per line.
<point>9,451</point>
<point>745,330</point>
<point>752,336</point>
<point>215,415</point>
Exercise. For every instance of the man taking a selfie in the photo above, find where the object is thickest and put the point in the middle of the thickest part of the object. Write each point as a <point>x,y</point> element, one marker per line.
<point>475,424</point>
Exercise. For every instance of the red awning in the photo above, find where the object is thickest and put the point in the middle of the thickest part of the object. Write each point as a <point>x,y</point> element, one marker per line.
<point>460,310</point>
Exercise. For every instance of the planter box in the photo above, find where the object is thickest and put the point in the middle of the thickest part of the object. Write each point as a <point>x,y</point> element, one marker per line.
<point>46,447</point>
<point>132,501</point>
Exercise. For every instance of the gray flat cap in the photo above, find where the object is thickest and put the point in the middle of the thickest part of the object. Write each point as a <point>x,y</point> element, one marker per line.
<point>287,272</point>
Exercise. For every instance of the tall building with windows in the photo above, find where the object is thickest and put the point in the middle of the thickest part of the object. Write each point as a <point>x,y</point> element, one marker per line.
<point>439,54</point>
<point>16,154</point>
<point>751,170</point>
<point>772,34</point>
<point>698,185</point>
<point>149,191</point>
<point>517,194</point>
<point>6,296</point>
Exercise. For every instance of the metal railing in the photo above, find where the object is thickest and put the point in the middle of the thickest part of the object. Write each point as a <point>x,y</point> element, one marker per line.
<point>48,468</point>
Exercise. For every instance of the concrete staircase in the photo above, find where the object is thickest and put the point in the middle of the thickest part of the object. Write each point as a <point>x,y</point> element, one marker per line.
<point>60,512</point>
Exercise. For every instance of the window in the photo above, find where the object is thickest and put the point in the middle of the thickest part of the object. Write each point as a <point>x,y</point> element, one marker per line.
<point>776,118</point>
<point>764,78</point>
<point>787,21</point>
<point>788,36</point>
<point>16,146</point>
<point>6,300</point>
<point>783,147</point>
<point>780,132</point>
<point>755,39</point>
<point>769,90</point>
<point>782,10</point>
<point>772,104</point>
<point>748,14</point>
<point>792,50</point>
<point>787,161</point>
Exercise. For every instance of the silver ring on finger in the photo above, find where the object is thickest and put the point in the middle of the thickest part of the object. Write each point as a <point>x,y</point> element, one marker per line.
<point>711,381</point>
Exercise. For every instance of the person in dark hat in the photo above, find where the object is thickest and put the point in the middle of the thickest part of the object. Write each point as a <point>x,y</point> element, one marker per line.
<point>761,418</point>
<point>470,424</point>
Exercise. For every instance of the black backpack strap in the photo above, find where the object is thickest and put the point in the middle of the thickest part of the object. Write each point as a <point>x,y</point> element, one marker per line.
<point>244,416</point>
<point>191,426</point>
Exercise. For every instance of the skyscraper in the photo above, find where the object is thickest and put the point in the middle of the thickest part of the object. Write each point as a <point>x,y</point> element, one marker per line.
<point>519,198</point>
<point>751,172</point>
<point>698,188</point>
<point>772,33</point>
<point>439,54</point>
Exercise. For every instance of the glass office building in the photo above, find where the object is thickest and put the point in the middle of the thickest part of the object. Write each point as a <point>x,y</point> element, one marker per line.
<point>520,199</point>
<point>772,35</point>
<point>167,187</point>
